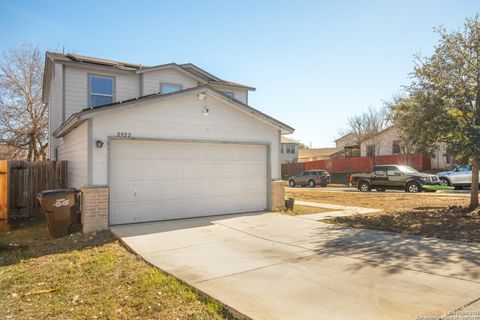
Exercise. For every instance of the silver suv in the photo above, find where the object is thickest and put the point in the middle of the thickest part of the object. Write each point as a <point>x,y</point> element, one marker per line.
<point>458,177</point>
<point>310,178</point>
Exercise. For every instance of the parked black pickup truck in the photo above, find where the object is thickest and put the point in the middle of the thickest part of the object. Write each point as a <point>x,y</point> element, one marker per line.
<point>398,177</point>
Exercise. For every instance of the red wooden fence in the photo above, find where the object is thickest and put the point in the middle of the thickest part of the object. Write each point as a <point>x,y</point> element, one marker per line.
<point>357,164</point>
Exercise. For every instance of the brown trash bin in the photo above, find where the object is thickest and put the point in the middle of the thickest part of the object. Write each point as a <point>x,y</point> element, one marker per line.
<point>289,203</point>
<point>62,210</point>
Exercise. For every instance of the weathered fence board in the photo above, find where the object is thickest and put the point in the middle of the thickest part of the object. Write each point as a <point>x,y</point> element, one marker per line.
<point>3,189</point>
<point>25,179</point>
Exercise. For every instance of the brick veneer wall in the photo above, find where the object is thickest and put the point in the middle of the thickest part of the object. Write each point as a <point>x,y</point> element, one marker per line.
<point>278,194</point>
<point>94,208</point>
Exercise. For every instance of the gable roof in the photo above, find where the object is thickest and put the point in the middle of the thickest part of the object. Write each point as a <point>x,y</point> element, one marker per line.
<point>345,136</point>
<point>172,66</point>
<point>194,69</point>
<point>93,60</point>
<point>77,118</point>
<point>287,140</point>
<point>187,68</point>
<point>378,133</point>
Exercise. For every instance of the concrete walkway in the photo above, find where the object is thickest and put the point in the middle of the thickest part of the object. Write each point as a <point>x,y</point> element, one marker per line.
<point>338,210</point>
<point>273,266</point>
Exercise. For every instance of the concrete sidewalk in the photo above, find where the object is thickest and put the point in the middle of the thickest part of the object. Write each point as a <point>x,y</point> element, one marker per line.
<point>337,210</point>
<point>273,266</point>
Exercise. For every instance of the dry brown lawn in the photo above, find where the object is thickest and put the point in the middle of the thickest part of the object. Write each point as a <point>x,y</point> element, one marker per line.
<point>390,202</point>
<point>453,223</point>
<point>426,214</point>
<point>79,277</point>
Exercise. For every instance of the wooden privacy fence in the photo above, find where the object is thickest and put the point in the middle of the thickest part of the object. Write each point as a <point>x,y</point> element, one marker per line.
<point>21,181</point>
<point>357,164</point>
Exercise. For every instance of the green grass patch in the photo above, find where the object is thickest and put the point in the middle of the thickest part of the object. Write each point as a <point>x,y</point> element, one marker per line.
<point>436,187</point>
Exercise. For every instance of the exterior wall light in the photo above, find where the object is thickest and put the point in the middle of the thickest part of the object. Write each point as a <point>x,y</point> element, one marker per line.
<point>99,144</point>
<point>205,111</point>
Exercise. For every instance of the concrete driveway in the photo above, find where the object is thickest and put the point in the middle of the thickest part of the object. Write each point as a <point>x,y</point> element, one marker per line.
<point>272,266</point>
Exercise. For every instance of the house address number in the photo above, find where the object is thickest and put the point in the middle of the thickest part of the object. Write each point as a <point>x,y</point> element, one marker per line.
<point>124,134</point>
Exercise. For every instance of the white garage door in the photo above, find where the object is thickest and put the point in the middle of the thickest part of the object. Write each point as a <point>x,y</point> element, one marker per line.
<point>152,180</point>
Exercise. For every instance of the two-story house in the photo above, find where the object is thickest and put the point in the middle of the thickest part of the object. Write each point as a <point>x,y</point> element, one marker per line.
<point>168,141</point>
<point>288,150</point>
<point>387,142</point>
<point>349,144</point>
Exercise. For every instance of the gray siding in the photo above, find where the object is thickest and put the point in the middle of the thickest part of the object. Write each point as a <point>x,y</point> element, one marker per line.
<point>75,151</point>
<point>55,108</point>
<point>127,86</point>
<point>238,93</point>
<point>181,118</point>
<point>152,80</point>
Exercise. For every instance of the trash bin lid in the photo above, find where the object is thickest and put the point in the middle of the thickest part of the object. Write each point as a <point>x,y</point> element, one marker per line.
<point>52,192</point>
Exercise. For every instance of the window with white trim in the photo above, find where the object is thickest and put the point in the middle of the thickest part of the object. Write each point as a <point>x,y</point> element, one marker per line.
<point>101,90</point>
<point>169,87</point>
<point>290,148</point>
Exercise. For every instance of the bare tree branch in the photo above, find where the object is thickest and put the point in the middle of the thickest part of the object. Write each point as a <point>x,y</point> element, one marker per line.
<point>23,116</point>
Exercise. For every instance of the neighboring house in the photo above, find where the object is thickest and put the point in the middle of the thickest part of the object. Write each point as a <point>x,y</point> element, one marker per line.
<point>350,145</point>
<point>305,155</point>
<point>289,150</point>
<point>170,141</point>
<point>348,139</point>
<point>387,142</point>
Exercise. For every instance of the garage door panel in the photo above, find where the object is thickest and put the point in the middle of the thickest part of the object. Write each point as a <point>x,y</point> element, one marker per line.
<point>122,192</point>
<point>123,212</point>
<point>152,180</point>
<point>124,170</point>
<point>252,169</point>
<point>255,185</point>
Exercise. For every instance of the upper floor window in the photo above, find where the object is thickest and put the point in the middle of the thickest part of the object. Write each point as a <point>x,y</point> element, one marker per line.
<point>396,147</point>
<point>230,94</point>
<point>169,87</point>
<point>290,148</point>
<point>101,90</point>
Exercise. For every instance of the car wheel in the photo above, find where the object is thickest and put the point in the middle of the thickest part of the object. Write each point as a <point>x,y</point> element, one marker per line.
<point>311,184</point>
<point>364,187</point>
<point>445,182</point>
<point>380,190</point>
<point>413,187</point>
<point>291,183</point>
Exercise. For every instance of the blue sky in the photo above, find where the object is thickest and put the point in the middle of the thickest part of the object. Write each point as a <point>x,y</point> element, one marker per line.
<point>314,63</point>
